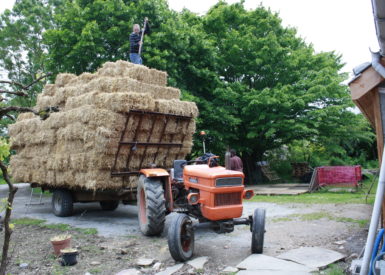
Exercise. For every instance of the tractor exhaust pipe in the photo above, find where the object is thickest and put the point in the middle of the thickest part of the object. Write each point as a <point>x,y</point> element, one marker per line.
<point>227,160</point>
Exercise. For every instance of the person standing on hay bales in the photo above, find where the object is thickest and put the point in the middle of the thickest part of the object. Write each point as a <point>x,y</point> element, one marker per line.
<point>136,41</point>
<point>235,161</point>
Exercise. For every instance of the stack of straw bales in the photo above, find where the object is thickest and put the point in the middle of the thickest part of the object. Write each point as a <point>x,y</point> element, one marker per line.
<point>76,147</point>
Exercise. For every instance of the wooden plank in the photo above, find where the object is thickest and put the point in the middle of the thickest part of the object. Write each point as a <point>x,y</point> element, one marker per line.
<point>378,124</point>
<point>368,80</point>
<point>380,139</point>
<point>365,104</point>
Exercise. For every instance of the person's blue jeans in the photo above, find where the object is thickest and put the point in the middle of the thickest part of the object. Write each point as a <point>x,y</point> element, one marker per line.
<point>135,58</point>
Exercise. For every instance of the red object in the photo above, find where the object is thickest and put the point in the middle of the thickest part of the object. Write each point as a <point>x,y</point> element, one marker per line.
<point>59,245</point>
<point>339,175</point>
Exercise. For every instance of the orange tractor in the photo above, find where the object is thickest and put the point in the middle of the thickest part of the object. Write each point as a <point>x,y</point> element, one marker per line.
<point>199,190</point>
<point>210,194</point>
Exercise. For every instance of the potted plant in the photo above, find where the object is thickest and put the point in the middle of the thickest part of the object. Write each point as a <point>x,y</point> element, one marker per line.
<point>60,242</point>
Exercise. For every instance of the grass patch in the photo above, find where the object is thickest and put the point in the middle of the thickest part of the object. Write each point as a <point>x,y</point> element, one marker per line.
<point>95,270</point>
<point>324,196</point>
<point>334,269</point>
<point>321,215</point>
<point>27,221</point>
<point>37,190</point>
<point>87,231</point>
<point>283,219</point>
<point>361,223</point>
<point>55,226</point>
<point>314,216</point>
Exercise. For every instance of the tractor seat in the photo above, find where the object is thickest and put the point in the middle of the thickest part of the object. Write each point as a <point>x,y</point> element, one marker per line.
<point>178,169</point>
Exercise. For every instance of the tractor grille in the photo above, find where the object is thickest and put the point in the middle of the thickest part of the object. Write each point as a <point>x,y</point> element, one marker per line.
<point>228,199</point>
<point>233,181</point>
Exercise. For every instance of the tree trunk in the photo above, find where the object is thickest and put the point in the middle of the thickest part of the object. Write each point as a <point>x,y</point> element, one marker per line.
<point>8,231</point>
<point>252,173</point>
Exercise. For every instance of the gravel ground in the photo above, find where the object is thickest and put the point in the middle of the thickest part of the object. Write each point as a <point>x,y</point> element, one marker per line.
<point>118,244</point>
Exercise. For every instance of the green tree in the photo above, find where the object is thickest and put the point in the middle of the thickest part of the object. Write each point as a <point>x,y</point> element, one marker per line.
<point>89,33</point>
<point>258,85</point>
<point>22,51</point>
<point>275,88</point>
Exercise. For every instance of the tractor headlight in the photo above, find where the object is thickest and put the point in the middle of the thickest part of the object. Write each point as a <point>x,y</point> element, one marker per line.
<point>248,194</point>
<point>193,198</point>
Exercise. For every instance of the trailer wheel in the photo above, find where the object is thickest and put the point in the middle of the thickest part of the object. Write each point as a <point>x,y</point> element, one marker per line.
<point>151,206</point>
<point>181,238</point>
<point>258,231</point>
<point>109,205</point>
<point>62,203</point>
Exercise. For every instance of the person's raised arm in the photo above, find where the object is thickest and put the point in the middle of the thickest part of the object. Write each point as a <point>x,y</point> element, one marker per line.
<point>147,30</point>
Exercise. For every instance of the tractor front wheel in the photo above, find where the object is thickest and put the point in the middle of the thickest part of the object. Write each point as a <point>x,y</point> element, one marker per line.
<point>62,203</point>
<point>258,231</point>
<point>151,206</point>
<point>181,238</point>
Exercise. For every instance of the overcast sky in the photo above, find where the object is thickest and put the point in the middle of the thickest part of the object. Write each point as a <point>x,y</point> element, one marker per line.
<point>344,26</point>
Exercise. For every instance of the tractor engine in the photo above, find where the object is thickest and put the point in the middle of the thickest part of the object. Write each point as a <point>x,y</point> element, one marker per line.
<point>217,191</point>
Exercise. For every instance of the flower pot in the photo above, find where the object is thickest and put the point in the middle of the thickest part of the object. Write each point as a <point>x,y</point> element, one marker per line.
<point>69,257</point>
<point>60,244</point>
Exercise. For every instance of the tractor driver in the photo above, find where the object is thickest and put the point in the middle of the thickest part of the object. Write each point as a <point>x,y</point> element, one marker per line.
<point>136,41</point>
<point>235,161</point>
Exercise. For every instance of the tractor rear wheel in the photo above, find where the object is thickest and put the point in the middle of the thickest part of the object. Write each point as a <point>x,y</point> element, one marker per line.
<point>258,231</point>
<point>109,205</point>
<point>62,203</point>
<point>181,238</point>
<point>151,206</point>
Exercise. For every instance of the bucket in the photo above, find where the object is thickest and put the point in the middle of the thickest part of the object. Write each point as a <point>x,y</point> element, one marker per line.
<point>69,258</point>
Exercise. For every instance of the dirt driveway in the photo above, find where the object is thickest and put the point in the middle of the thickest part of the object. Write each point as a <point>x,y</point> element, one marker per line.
<point>119,244</point>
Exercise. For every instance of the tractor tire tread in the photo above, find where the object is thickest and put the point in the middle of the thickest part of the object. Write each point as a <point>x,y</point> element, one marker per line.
<point>258,231</point>
<point>155,207</point>
<point>173,239</point>
<point>66,206</point>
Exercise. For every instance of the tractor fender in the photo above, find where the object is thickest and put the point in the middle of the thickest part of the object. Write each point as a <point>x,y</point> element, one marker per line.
<point>154,172</point>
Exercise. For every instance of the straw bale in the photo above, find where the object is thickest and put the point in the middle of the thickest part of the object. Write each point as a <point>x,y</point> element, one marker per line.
<point>97,179</point>
<point>116,102</point>
<point>64,79</point>
<point>54,121</point>
<point>118,68</point>
<point>68,147</point>
<point>90,161</point>
<point>162,92</point>
<point>146,75</point>
<point>129,85</point>
<point>50,177</point>
<point>66,178</point>
<point>14,129</point>
<point>24,116</point>
<point>31,125</point>
<point>85,78</point>
<point>49,90</point>
<point>20,173</point>
<point>38,175</point>
<point>19,169</point>
<point>177,107</point>
<point>31,151</point>
<point>76,146</point>
<point>43,102</point>
<point>23,131</point>
<point>60,96</point>
<point>40,137</point>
